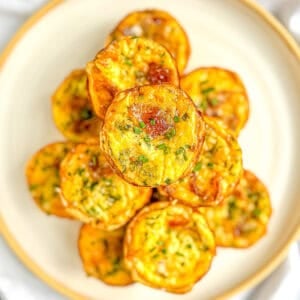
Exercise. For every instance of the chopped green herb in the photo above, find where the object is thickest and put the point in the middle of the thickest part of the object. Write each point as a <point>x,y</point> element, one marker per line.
<point>163,147</point>
<point>164,251</point>
<point>152,122</point>
<point>123,127</point>
<point>112,198</point>
<point>80,171</point>
<point>188,246</point>
<point>203,82</point>
<point>256,212</point>
<point>197,167</point>
<point>171,133</point>
<point>142,124</point>
<point>210,165</point>
<point>231,207</point>
<point>143,159</point>
<point>93,185</point>
<point>254,196</point>
<point>168,181</point>
<point>180,150</point>
<point>137,130</point>
<point>203,105</point>
<point>162,54</point>
<point>176,119</point>
<point>147,139</point>
<point>179,254</point>
<point>92,211</point>
<point>112,272</point>
<point>117,261</point>
<point>108,181</point>
<point>32,187</point>
<point>214,101</point>
<point>207,90</point>
<point>127,61</point>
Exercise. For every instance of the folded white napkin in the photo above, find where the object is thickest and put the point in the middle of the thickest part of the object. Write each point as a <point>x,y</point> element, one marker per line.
<point>18,283</point>
<point>22,7</point>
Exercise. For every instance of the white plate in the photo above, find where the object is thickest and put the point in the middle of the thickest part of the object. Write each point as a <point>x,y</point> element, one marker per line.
<point>231,33</point>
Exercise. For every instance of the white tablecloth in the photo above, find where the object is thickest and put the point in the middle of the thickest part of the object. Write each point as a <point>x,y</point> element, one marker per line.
<point>17,283</point>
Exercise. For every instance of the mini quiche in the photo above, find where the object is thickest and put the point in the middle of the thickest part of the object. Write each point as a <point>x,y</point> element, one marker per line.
<point>216,173</point>
<point>168,246</point>
<point>242,218</point>
<point>42,173</point>
<point>101,253</point>
<point>159,26</point>
<point>127,63</point>
<point>152,135</point>
<point>218,93</point>
<point>94,193</point>
<point>72,109</point>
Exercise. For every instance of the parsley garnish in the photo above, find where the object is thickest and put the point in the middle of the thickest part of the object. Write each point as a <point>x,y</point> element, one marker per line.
<point>152,122</point>
<point>171,133</point>
<point>137,130</point>
<point>176,119</point>
<point>197,167</point>
<point>163,147</point>
<point>142,124</point>
<point>143,159</point>
<point>207,90</point>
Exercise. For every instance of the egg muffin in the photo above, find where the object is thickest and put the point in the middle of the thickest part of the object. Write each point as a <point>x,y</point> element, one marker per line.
<point>72,109</point>
<point>242,219</point>
<point>94,193</point>
<point>219,93</point>
<point>101,254</point>
<point>127,63</point>
<point>215,174</point>
<point>42,173</point>
<point>168,246</point>
<point>152,135</point>
<point>159,26</point>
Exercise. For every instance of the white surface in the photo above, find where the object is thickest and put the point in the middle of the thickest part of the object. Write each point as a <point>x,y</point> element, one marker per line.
<point>270,75</point>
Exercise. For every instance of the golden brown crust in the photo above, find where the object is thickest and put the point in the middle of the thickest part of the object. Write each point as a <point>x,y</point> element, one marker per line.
<point>152,135</point>
<point>94,193</point>
<point>241,220</point>
<point>159,26</point>
<point>127,63</point>
<point>42,173</point>
<point>169,246</point>
<point>72,109</point>
<point>101,254</point>
<point>218,93</point>
<point>216,173</point>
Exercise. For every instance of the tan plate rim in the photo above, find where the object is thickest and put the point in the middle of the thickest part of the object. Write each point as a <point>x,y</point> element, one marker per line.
<point>38,271</point>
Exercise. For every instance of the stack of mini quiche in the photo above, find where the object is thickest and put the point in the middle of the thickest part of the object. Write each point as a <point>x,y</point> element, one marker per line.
<point>151,163</point>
